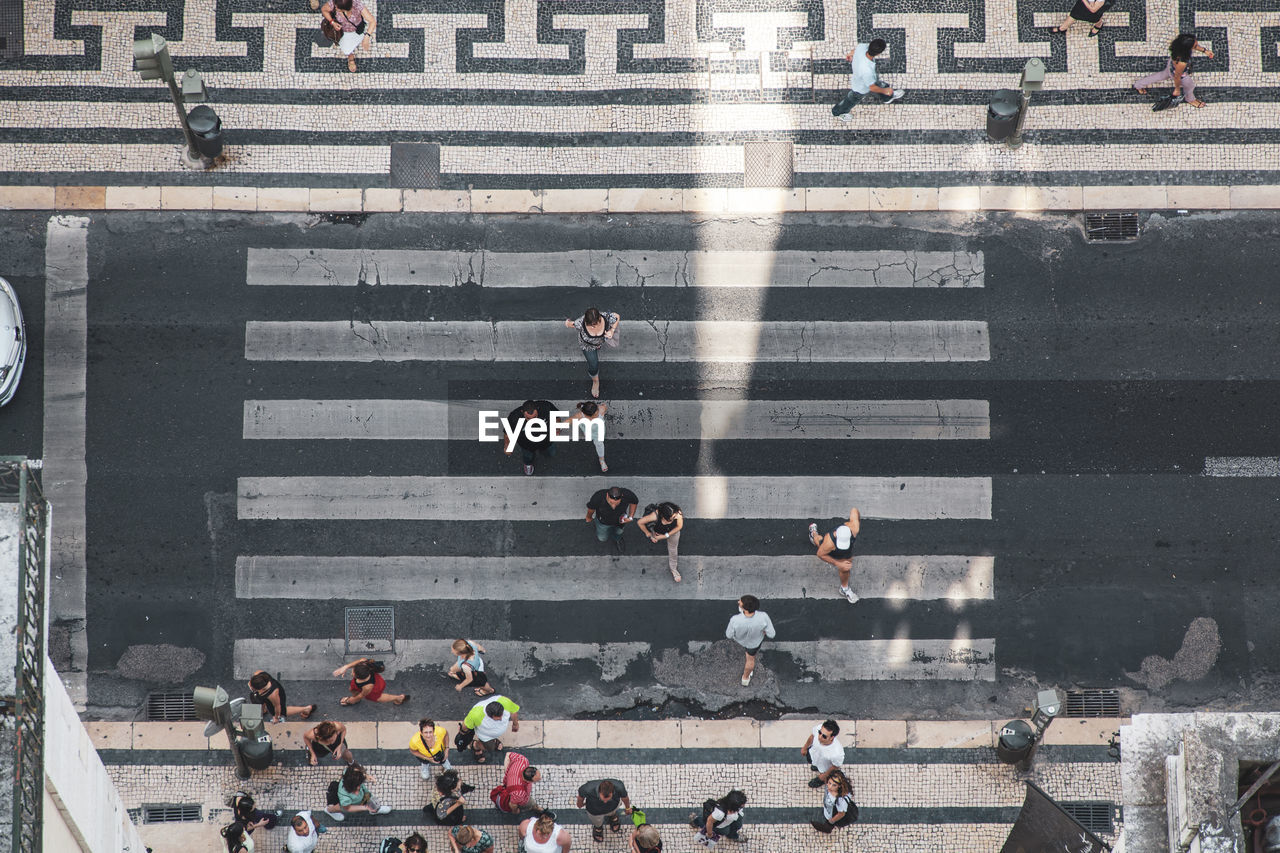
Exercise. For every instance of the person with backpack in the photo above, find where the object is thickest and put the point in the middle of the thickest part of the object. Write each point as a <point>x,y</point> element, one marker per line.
<point>247,813</point>
<point>838,808</point>
<point>468,668</point>
<point>367,682</point>
<point>354,795</point>
<point>415,843</point>
<point>448,806</point>
<point>468,839</point>
<point>721,818</point>
<point>238,838</point>
<point>663,522</point>
<point>543,835</point>
<point>515,794</point>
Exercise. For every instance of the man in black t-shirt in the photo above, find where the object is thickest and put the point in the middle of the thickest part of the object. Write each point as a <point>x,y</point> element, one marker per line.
<point>531,410</point>
<point>610,509</point>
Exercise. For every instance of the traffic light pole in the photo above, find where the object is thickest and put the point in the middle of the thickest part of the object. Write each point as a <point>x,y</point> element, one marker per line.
<point>242,769</point>
<point>211,703</point>
<point>191,158</point>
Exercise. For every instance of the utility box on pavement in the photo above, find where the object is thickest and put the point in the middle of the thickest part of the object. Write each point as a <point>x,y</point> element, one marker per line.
<point>1002,113</point>
<point>207,129</point>
<point>257,753</point>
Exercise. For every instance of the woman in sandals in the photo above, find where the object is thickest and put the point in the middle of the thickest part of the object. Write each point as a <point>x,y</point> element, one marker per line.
<point>356,24</point>
<point>328,738</point>
<point>664,522</point>
<point>1178,66</point>
<point>595,329</point>
<point>367,683</point>
<point>589,411</point>
<point>1090,11</point>
<point>269,693</point>
<point>469,667</point>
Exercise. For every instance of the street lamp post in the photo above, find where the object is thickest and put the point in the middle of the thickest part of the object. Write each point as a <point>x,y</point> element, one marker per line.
<point>212,704</point>
<point>152,62</point>
<point>1032,81</point>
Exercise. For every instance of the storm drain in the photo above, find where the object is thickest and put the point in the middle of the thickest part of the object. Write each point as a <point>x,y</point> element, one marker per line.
<point>1095,817</point>
<point>767,164</point>
<point>415,165</point>
<point>1110,227</point>
<point>1092,703</point>
<point>170,707</point>
<point>170,813</point>
<point>370,629</point>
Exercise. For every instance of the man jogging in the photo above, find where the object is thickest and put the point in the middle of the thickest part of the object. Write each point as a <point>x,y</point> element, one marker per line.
<point>864,81</point>
<point>836,548</point>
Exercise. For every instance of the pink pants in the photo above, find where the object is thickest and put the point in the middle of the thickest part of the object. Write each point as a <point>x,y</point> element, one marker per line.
<point>1188,82</point>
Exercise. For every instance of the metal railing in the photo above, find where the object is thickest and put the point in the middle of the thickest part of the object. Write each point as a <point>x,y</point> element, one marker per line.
<point>28,706</point>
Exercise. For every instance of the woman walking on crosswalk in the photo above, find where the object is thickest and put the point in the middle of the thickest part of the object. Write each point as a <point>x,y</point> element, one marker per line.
<point>596,328</point>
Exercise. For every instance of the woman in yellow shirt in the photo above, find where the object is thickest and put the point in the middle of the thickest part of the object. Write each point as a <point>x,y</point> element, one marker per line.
<point>430,746</point>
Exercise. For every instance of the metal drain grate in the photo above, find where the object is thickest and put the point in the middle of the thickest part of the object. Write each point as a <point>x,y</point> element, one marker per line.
<point>1092,703</point>
<point>1095,817</point>
<point>171,813</point>
<point>767,164</point>
<point>370,629</point>
<point>1111,227</point>
<point>170,707</point>
<point>415,165</point>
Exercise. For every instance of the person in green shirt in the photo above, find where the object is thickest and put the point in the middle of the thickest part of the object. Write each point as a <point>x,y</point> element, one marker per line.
<point>490,719</point>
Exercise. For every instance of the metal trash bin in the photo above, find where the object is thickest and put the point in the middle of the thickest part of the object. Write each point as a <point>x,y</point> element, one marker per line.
<point>257,753</point>
<point>1002,113</point>
<point>1016,742</point>
<point>207,129</point>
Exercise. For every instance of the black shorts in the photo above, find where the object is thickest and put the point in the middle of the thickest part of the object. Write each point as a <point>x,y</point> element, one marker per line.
<point>752,652</point>
<point>478,679</point>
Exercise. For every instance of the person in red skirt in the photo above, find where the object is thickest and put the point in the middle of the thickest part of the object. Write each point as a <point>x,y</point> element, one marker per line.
<point>367,683</point>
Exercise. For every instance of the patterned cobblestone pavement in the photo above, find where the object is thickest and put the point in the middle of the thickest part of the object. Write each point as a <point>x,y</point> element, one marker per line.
<point>919,786</point>
<point>637,93</point>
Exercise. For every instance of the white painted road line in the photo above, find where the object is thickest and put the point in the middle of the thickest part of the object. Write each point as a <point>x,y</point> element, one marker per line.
<point>1242,466</point>
<point>543,499</point>
<point>888,660</point>
<point>315,660</point>
<point>719,341</point>
<point>898,578</point>
<point>831,660</point>
<point>349,267</point>
<point>705,420</point>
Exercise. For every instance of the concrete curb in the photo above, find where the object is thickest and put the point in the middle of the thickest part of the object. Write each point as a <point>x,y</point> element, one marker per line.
<point>705,200</point>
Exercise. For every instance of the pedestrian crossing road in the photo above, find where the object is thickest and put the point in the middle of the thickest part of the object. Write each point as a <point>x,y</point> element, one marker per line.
<point>288,429</point>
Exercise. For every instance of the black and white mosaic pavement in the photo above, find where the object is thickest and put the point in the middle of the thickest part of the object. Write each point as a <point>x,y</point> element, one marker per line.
<point>590,93</point>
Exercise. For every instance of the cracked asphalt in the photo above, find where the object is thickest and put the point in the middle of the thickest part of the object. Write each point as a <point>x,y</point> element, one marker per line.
<point>1115,370</point>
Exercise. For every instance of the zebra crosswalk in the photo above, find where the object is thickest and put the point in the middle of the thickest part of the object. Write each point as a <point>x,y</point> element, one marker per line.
<point>306,564</point>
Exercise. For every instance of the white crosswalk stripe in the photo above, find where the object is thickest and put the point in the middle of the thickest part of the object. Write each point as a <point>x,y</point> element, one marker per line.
<point>665,341</point>
<point>409,578</point>
<point>703,420</point>
<point>318,498</point>
<point>324,266</point>
<point>530,499</point>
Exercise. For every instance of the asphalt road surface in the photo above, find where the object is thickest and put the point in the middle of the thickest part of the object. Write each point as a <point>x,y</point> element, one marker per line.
<point>1046,437</point>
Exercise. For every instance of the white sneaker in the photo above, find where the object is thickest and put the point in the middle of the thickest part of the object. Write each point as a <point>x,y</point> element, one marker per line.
<point>846,118</point>
<point>849,594</point>
<point>447,765</point>
<point>897,95</point>
<point>425,771</point>
<point>383,810</point>
<point>338,816</point>
<point>746,682</point>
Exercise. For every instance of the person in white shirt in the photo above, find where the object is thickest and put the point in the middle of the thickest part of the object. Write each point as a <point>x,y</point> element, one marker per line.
<point>838,808</point>
<point>303,836</point>
<point>748,629</point>
<point>824,751</point>
<point>864,80</point>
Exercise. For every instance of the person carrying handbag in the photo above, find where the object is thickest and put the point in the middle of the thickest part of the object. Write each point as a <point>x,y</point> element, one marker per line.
<point>349,25</point>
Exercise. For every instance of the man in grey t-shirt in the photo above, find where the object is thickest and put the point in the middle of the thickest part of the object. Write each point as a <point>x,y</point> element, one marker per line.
<point>748,629</point>
<point>601,798</point>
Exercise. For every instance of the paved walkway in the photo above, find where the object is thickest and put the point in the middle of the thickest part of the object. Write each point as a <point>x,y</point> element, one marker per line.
<point>920,786</point>
<point>543,94</point>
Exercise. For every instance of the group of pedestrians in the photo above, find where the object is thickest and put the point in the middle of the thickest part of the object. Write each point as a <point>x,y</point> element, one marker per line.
<point>867,87</point>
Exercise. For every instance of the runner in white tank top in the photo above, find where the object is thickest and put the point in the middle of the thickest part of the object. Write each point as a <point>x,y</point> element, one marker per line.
<point>551,845</point>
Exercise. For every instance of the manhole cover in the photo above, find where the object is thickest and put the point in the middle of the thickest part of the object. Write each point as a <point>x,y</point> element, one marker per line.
<point>170,812</point>
<point>1092,703</point>
<point>767,164</point>
<point>1111,227</point>
<point>170,707</point>
<point>415,165</point>
<point>1095,817</point>
<point>370,629</point>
